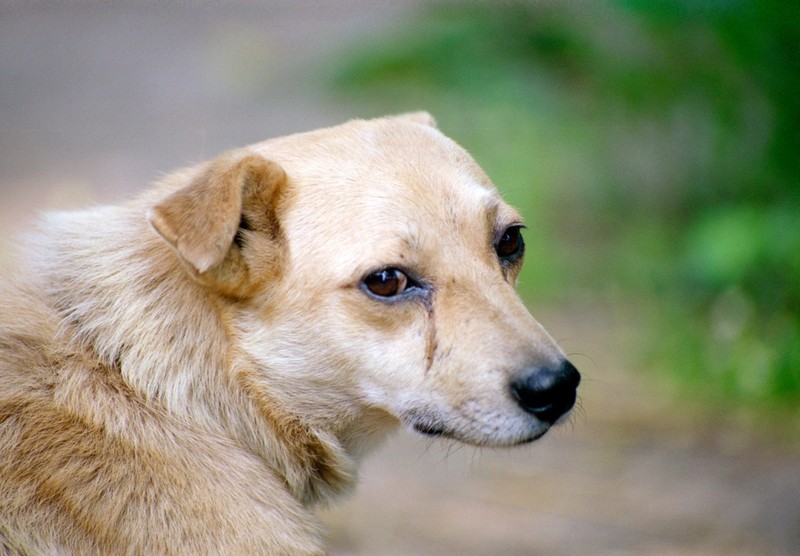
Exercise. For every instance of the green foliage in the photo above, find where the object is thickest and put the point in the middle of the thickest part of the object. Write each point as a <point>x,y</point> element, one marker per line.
<point>652,146</point>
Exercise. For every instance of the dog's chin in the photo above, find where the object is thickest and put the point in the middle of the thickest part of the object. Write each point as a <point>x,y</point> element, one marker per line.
<point>439,431</point>
<point>532,438</point>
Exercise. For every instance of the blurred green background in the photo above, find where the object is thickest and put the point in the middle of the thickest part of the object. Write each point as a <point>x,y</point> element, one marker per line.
<point>653,147</point>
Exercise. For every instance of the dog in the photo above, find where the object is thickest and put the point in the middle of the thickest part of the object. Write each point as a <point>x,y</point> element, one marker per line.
<point>193,371</point>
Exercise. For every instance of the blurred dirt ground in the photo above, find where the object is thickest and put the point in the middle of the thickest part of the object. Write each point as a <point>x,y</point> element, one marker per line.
<point>97,99</point>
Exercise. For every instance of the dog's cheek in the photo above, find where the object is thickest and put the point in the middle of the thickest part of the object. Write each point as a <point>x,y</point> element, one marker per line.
<point>376,319</point>
<point>388,357</point>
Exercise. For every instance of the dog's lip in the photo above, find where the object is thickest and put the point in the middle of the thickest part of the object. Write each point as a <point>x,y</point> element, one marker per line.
<point>429,429</point>
<point>433,430</point>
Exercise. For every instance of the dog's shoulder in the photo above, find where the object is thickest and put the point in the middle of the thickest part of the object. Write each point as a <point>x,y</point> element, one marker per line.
<point>27,338</point>
<point>88,463</point>
<point>162,490</point>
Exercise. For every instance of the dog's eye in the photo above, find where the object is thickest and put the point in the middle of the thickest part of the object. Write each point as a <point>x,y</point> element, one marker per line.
<point>510,246</point>
<point>386,283</point>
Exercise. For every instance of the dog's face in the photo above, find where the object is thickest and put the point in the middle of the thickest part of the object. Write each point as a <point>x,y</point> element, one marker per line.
<point>380,275</point>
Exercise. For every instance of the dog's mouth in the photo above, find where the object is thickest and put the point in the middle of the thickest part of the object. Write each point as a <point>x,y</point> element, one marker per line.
<point>431,429</point>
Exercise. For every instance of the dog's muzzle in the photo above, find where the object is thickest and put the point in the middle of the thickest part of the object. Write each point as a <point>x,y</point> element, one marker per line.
<point>547,393</point>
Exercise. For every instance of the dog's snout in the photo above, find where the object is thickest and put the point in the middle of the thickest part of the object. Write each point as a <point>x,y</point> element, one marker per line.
<point>547,392</point>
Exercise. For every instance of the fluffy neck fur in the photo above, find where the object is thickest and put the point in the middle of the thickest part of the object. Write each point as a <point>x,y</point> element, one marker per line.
<point>117,299</point>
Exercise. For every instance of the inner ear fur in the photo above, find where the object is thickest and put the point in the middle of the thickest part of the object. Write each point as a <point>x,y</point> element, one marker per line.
<point>201,220</point>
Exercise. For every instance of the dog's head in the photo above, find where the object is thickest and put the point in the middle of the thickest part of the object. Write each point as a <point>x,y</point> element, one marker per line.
<point>369,269</point>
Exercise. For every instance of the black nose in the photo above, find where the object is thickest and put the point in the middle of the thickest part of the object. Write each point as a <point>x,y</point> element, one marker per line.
<point>547,392</point>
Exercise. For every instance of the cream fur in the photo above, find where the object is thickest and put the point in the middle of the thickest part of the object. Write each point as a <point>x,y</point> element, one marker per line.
<point>192,371</point>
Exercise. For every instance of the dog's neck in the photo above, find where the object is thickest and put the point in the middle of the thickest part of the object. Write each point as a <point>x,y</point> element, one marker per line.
<point>131,306</point>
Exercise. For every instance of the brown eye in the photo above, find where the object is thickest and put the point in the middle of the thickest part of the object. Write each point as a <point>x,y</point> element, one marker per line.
<point>386,283</point>
<point>510,245</point>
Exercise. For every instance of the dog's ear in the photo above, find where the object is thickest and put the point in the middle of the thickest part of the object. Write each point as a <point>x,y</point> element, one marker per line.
<point>201,220</point>
<point>420,117</point>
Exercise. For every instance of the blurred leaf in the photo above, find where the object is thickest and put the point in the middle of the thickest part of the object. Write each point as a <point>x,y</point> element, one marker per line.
<point>725,245</point>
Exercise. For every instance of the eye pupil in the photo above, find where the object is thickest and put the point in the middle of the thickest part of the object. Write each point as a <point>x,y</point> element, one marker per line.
<point>510,243</point>
<point>386,283</point>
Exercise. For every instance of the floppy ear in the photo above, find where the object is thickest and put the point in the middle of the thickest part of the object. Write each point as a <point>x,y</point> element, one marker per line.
<point>420,117</point>
<point>201,220</point>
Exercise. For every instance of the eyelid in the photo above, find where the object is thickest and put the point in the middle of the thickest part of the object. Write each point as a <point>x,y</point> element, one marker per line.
<point>413,277</point>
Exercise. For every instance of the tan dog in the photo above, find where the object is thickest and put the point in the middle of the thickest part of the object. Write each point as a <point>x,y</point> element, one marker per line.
<point>196,390</point>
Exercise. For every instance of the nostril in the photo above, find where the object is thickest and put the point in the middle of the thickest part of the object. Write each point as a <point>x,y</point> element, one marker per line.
<point>547,392</point>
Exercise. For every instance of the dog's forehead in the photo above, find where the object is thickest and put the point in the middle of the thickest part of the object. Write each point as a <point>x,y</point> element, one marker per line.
<point>390,164</point>
<point>383,188</point>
